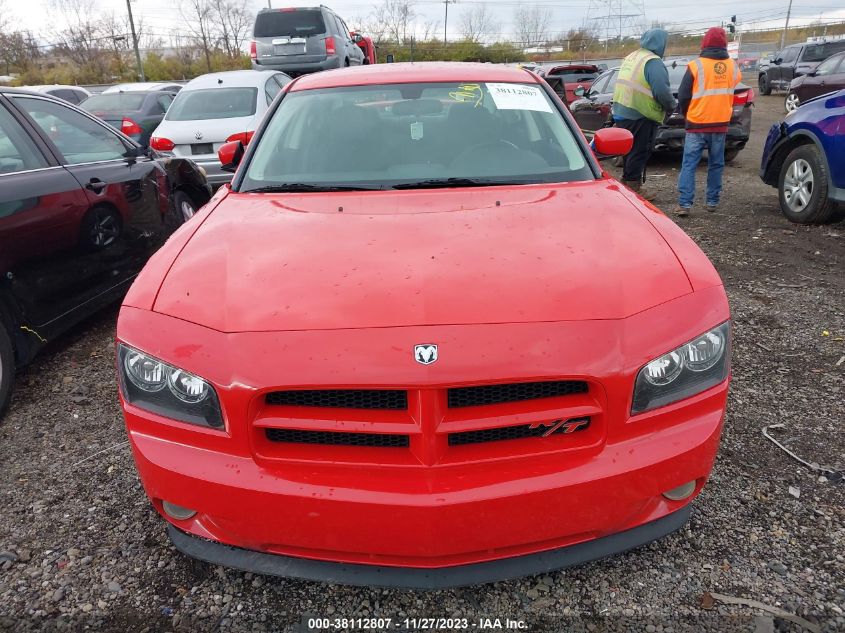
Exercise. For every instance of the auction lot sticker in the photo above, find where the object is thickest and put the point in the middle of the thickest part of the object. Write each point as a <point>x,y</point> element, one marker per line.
<point>518,97</point>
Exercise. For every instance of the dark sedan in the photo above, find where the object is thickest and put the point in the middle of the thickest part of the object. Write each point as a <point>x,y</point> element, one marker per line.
<point>136,114</point>
<point>829,76</point>
<point>82,207</point>
<point>592,112</point>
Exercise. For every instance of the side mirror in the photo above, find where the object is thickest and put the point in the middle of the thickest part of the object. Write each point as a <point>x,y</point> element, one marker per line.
<point>580,91</point>
<point>610,142</point>
<point>230,155</point>
<point>778,61</point>
<point>812,73</point>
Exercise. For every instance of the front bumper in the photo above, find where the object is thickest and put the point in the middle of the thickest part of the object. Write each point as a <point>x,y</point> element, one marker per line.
<point>433,507</point>
<point>409,578</point>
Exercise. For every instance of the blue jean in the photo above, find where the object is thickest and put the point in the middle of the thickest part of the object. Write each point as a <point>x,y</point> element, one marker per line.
<point>694,145</point>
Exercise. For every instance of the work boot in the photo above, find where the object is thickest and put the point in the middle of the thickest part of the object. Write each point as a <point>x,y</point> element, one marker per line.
<point>643,192</point>
<point>682,212</point>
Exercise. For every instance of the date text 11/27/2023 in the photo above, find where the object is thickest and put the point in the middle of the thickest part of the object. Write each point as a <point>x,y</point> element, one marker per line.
<point>413,624</point>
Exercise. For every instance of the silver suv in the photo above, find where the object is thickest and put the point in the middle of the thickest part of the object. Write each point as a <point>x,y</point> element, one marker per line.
<point>302,40</point>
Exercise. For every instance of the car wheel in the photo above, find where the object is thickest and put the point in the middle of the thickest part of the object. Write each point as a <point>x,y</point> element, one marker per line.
<point>7,369</point>
<point>101,227</point>
<point>802,186</point>
<point>184,206</point>
<point>730,154</point>
<point>792,102</point>
<point>763,84</point>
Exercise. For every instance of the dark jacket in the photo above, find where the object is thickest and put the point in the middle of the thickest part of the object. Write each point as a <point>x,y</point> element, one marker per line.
<point>685,89</point>
<point>656,75</point>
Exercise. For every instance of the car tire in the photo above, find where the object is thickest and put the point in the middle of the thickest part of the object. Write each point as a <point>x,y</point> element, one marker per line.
<point>183,206</point>
<point>791,103</point>
<point>730,154</point>
<point>802,187</point>
<point>764,85</point>
<point>7,369</point>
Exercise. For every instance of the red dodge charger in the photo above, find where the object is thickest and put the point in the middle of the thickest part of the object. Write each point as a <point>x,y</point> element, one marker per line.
<point>423,339</point>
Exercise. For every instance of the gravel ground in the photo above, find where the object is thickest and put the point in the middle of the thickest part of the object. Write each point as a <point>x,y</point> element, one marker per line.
<point>81,547</point>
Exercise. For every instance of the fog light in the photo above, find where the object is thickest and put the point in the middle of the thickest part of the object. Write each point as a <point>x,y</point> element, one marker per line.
<point>177,512</point>
<point>681,492</point>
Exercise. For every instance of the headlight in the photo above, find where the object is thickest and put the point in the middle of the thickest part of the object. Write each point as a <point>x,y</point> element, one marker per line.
<point>695,366</point>
<point>155,386</point>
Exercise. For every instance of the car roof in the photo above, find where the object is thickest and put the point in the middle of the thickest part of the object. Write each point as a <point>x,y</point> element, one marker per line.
<point>559,67</point>
<point>28,90</point>
<point>40,87</point>
<point>413,72</point>
<point>232,78</point>
<point>289,9</point>
<point>139,85</point>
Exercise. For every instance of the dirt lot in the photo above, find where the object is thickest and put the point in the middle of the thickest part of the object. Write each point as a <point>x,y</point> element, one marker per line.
<point>81,546</point>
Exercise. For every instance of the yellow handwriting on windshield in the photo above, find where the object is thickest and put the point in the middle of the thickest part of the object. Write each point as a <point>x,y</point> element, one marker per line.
<point>468,93</point>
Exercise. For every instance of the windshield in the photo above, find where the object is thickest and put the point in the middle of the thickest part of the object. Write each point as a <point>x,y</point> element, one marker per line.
<point>433,134</point>
<point>214,103</point>
<point>676,74</point>
<point>121,102</point>
<point>572,75</point>
<point>289,23</point>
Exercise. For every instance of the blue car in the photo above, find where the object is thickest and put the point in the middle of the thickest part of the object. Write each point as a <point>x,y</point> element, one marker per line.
<point>804,157</point>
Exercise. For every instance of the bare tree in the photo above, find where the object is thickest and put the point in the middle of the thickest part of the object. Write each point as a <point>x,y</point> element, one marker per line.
<point>531,25</point>
<point>232,19</point>
<point>477,22</point>
<point>199,14</point>
<point>398,19</point>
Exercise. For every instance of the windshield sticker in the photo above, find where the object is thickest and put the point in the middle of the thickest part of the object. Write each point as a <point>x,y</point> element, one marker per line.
<point>518,97</point>
<point>468,93</point>
<point>416,130</point>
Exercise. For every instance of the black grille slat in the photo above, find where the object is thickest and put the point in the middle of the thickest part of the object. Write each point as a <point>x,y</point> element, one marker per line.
<point>514,392</point>
<point>392,399</point>
<point>520,432</point>
<point>333,438</point>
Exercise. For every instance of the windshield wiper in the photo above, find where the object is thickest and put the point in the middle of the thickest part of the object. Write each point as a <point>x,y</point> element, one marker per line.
<point>296,187</point>
<point>438,183</point>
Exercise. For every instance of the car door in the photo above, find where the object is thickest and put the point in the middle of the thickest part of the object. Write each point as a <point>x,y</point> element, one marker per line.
<point>785,71</point>
<point>108,238</point>
<point>40,207</point>
<point>587,109</point>
<point>826,78</point>
<point>356,55</point>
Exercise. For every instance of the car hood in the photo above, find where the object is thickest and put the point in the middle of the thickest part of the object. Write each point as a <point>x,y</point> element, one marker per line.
<point>270,262</point>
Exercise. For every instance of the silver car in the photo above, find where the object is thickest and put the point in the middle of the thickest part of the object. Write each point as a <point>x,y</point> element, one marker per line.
<point>213,109</point>
<point>302,40</point>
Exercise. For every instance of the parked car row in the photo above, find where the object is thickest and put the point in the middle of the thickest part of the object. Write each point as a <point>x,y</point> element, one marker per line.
<point>82,207</point>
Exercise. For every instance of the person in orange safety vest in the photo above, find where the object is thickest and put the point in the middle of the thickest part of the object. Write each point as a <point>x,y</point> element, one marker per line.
<point>706,97</point>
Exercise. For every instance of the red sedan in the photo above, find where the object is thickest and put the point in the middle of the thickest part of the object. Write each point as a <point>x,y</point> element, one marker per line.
<point>471,357</point>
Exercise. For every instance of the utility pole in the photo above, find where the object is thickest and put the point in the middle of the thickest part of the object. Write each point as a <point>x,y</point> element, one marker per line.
<point>786,25</point>
<point>446,17</point>
<point>135,42</point>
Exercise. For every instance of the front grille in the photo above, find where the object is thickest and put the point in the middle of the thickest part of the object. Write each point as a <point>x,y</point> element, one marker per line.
<point>332,438</point>
<point>518,432</point>
<point>342,398</point>
<point>515,392</point>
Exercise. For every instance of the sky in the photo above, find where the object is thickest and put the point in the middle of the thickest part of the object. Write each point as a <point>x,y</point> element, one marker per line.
<point>160,17</point>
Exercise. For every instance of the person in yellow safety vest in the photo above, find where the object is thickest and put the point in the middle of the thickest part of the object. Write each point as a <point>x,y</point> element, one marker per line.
<point>706,95</point>
<point>641,100</point>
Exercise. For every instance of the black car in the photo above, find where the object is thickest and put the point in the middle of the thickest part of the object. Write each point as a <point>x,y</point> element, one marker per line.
<point>136,114</point>
<point>592,110</point>
<point>794,61</point>
<point>82,207</point>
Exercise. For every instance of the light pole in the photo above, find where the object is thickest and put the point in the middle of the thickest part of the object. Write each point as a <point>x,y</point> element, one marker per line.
<point>446,17</point>
<point>135,42</point>
<point>786,25</point>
